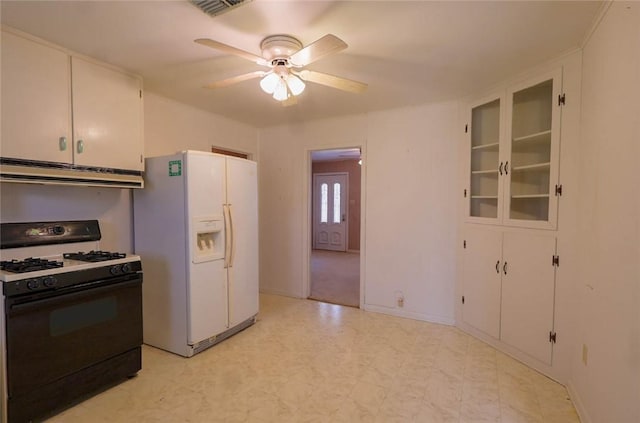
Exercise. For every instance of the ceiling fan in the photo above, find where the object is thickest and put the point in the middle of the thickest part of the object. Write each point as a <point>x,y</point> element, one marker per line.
<point>286,56</point>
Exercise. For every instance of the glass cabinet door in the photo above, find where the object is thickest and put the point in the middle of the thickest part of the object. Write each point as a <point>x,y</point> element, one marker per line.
<point>484,185</point>
<point>532,168</point>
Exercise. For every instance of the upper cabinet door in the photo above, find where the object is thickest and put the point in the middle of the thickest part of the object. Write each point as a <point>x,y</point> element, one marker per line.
<point>533,150</point>
<point>485,182</point>
<point>107,117</point>
<point>514,155</point>
<point>36,101</point>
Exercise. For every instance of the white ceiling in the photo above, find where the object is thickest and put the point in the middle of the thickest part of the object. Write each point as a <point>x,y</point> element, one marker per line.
<point>333,155</point>
<point>409,52</point>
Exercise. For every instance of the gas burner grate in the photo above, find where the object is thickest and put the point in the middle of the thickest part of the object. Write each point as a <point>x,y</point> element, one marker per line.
<point>94,256</point>
<point>29,265</point>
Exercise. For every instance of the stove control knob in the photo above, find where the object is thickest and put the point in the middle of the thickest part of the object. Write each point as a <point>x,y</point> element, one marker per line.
<point>33,284</point>
<point>115,270</point>
<point>126,268</point>
<point>49,281</point>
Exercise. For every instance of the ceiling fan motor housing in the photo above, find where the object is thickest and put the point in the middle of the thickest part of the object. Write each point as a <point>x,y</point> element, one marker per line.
<point>279,47</point>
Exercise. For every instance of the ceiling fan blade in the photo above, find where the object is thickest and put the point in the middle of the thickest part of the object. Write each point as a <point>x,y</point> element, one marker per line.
<point>333,81</point>
<point>232,50</point>
<point>235,79</point>
<point>320,48</point>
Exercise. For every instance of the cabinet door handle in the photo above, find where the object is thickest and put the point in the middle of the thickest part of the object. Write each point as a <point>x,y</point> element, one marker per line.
<point>500,168</point>
<point>80,146</point>
<point>506,167</point>
<point>504,268</point>
<point>62,143</point>
<point>498,267</point>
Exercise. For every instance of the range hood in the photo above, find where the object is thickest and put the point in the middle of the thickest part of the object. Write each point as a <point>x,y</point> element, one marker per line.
<point>48,173</point>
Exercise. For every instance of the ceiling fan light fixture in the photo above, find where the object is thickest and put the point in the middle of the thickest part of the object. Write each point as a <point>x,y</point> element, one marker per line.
<point>286,55</point>
<point>269,83</point>
<point>295,84</point>
<point>280,93</point>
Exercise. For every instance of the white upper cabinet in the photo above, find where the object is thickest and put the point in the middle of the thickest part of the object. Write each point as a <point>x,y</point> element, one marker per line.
<point>36,101</point>
<point>60,108</point>
<point>514,144</point>
<point>485,184</point>
<point>531,169</point>
<point>107,117</point>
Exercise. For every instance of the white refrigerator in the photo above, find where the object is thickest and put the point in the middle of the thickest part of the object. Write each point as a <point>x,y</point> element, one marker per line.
<point>196,230</point>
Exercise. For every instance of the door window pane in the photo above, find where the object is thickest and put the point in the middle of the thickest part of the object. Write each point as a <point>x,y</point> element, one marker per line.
<point>324,202</point>
<point>336,202</point>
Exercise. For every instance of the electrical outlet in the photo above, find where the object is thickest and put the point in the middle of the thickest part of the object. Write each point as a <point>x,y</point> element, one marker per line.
<point>400,301</point>
<point>585,354</point>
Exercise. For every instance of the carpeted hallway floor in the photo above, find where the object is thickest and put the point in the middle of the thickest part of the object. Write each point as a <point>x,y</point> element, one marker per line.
<point>335,277</point>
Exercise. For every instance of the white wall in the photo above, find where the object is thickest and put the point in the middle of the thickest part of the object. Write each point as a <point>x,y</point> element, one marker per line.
<point>409,175</point>
<point>411,211</point>
<point>111,206</point>
<point>607,388</point>
<point>171,126</point>
<point>284,163</point>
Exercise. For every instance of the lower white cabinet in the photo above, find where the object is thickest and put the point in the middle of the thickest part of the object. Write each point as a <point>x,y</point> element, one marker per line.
<point>509,287</point>
<point>482,279</point>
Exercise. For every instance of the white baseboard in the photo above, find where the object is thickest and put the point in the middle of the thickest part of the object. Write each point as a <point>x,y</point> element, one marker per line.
<point>410,314</point>
<point>513,352</point>
<point>578,404</point>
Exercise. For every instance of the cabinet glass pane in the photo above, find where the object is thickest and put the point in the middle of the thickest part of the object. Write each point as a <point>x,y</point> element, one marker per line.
<point>485,150</point>
<point>530,164</point>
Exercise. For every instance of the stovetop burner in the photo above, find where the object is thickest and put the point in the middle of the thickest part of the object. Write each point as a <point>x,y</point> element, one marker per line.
<point>94,256</point>
<point>29,265</point>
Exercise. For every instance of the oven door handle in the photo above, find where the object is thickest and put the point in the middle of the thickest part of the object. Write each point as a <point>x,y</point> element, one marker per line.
<point>61,296</point>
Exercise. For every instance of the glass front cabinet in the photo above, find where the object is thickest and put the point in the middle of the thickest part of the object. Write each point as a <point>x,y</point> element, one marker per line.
<point>514,148</point>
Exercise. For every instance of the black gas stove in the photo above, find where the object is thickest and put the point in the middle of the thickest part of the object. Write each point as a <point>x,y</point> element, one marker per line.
<point>29,264</point>
<point>73,320</point>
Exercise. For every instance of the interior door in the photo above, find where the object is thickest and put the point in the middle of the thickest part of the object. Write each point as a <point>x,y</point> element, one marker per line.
<point>330,211</point>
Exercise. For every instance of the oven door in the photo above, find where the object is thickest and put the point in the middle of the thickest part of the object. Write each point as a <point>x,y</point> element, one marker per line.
<point>53,335</point>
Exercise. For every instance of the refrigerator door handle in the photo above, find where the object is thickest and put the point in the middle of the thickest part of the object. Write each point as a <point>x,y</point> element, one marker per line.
<point>227,235</point>
<point>233,237</point>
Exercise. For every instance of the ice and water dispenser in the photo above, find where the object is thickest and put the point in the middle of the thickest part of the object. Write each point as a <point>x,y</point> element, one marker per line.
<point>208,239</point>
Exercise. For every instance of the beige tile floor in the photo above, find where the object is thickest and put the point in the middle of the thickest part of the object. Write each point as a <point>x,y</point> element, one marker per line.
<point>307,361</point>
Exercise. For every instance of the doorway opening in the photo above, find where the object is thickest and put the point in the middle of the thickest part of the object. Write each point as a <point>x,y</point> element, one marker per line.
<point>335,226</point>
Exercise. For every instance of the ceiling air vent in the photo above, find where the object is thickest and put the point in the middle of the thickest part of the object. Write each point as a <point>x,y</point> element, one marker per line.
<point>217,7</point>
